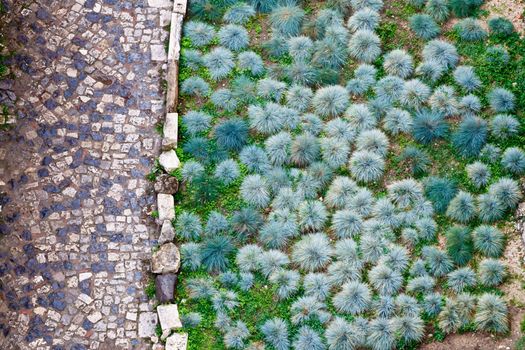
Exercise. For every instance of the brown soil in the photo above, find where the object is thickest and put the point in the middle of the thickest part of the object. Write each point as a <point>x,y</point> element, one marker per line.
<point>482,341</point>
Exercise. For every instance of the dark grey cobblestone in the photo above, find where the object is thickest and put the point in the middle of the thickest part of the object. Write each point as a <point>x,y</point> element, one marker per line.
<point>75,234</point>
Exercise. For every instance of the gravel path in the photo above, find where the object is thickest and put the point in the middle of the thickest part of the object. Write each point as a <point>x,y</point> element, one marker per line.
<point>75,232</point>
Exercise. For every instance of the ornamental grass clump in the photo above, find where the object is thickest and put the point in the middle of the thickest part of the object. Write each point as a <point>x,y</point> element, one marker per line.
<point>461,278</point>
<point>366,166</point>
<point>299,97</point>
<point>364,46</point>
<point>469,29</point>
<point>507,192</point>
<point>398,62</point>
<point>215,253</point>
<point>235,336</point>
<point>231,134</point>
<point>500,27</point>
<point>504,126</point>
<point>471,136</point>
<point>501,100</point>
<point>513,160</point>
<point>464,8</point>
<point>489,241</point>
<point>255,159</point>
<point>195,86</point>
<point>219,62</point>
<point>305,149</point>
<point>233,37</point>
<point>424,26</point>
<point>341,334</point>
<point>429,126</point>
<point>239,13</point>
<point>278,148</point>
<point>437,9</point>
<point>330,101</point>
<point>459,244</point>
<point>491,272</point>
<point>191,255</point>
<point>381,334</point>
<point>188,225</point>
<point>313,252</point>
<point>373,140</point>
<point>441,52</point>
<point>491,314</point>
<point>366,19</point>
<point>199,33</point>
<point>415,94</point>
<point>438,261</point>
<point>385,280</point>
<point>216,224</point>
<point>354,298</point>
<point>478,173</point>
<point>397,121</point>
<point>227,171</point>
<point>251,62</point>
<point>307,309</point>
<point>275,332</point>
<point>287,20</point>
<point>254,191</point>
<point>415,160</point>
<point>308,339</point>
<point>286,282</point>
<point>466,77</point>
<point>489,208</point>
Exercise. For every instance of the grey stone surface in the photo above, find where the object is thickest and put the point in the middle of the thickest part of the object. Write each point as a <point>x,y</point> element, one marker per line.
<point>169,317</point>
<point>177,341</point>
<point>166,259</point>
<point>165,287</point>
<point>166,184</point>
<point>166,207</point>
<point>147,324</point>
<point>167,232</point>
<point>170,130</point>
<point>76,234</point>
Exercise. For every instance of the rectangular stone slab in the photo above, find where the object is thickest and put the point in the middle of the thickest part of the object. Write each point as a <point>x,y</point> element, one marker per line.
<point>147,324</point>
<point>166,207</point>
<point>170,130</point>
<point>169,317</point>
<point>175,36</point>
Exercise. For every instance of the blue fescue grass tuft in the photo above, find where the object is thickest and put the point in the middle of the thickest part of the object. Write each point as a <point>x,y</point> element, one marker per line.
<point>364,46</point>
<point>424,26</point>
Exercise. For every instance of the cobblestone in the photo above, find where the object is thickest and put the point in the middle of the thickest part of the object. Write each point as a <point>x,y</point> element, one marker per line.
<point>75,230</point>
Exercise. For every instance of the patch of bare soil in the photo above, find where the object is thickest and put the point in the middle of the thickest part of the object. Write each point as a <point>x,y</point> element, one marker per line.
<point>482,341</point>
<point>514,259</point>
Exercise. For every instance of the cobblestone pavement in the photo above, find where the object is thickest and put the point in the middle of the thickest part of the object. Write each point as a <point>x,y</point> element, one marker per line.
<point>75,232</point>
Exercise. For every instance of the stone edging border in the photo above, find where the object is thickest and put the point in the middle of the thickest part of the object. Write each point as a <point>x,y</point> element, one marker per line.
<point>165,262</point>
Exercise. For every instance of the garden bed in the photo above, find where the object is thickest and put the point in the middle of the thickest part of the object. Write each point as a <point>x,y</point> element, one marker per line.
<point>350,173</point>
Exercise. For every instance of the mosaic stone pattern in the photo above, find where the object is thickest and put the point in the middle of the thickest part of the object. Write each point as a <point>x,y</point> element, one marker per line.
<point>76,234</point>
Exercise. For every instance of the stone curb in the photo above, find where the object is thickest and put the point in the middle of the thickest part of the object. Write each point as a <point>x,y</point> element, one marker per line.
<point>165,262</point>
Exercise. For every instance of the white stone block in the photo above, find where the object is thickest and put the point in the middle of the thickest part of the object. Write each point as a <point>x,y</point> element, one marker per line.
<point>147,324</point>
<point>169,317</point>
<point>166,207</point>
<point>169,161</point>
<point>159,3</point>
<point>158,53</point>
<point>171,129</point>
<point>177,341</point>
